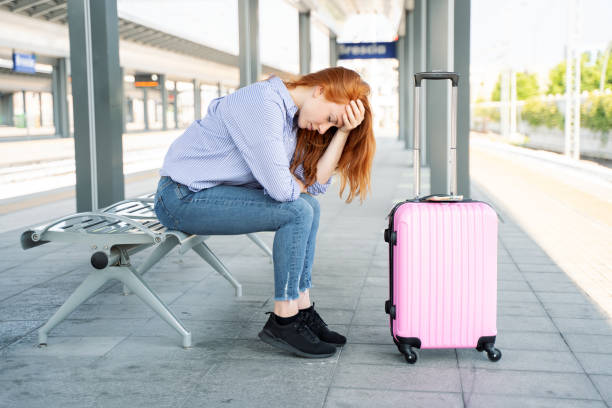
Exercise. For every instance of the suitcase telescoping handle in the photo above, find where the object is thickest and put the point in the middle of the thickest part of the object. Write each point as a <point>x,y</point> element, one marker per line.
<point>454,77</point>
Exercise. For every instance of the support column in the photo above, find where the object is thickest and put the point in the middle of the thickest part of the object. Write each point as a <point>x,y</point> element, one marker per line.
<point>219,89</point>
<point>402,88</point>
<point>26,123</point>
<point>440,42</point>
<point>145,100</point>
<point>197,100</point>
<point>164,98</point>
<point>420,60</point>
<point>333,50</point>
<point>462,66</point>
<point>96,77</point>
<point>123,101</point>
<point>305,44</point>
<point>248,23</point>
<point>175,92</point>
<point>409,50</point>
<point>7,109</point>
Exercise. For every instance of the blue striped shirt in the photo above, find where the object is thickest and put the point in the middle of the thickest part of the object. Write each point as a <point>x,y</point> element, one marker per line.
<point>247,138</point>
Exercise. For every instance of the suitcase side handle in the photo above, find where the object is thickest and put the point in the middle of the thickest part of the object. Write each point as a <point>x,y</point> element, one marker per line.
<point>453,76</point>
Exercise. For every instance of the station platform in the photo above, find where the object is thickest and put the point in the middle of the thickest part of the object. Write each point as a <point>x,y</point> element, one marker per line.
<point>554,326</point>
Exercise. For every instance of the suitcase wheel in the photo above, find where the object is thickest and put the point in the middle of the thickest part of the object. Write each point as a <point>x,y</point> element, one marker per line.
<point>411,356</point>
<point>493,353</point>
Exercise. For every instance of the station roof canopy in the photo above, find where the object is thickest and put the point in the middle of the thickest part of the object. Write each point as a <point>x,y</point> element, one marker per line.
<point>56,11</point>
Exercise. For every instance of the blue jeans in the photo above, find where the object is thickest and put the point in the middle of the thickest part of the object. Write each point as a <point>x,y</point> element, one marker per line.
<point>233,210</point>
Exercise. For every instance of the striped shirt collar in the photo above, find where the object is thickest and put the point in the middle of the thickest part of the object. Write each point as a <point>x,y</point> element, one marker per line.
<point>290,106</point>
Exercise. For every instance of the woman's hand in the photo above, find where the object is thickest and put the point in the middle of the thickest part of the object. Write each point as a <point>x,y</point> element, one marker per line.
<point>353,116</point>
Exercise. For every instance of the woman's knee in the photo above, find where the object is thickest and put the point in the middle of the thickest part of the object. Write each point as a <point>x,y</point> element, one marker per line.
<point>314,203</point>
<point>303,211</point>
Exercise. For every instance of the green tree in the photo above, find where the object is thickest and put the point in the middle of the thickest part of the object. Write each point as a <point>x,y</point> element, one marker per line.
<point>526,87</point>
<point>590,75</point>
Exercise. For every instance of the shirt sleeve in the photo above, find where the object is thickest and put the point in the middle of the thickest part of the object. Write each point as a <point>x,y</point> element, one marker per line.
<point>255,123</point>
<point>315,189</point>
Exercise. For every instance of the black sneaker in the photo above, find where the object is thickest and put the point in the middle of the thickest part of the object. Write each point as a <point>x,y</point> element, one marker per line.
<point>296,338</point>
<point>319,327</point>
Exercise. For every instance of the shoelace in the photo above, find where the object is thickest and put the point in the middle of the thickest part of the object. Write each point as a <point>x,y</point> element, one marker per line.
<point>301,326</point>
<point>314,320</point>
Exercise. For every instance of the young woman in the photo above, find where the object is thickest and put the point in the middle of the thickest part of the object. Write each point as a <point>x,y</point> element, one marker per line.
<point>254,163</point>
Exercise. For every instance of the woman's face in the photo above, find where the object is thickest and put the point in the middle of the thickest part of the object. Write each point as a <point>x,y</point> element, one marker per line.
<point>319,114</point>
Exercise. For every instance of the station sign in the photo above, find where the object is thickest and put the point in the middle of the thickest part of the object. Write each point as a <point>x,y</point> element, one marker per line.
<point>146,80</point>
<point>367,50</point>
<point>25,63</point>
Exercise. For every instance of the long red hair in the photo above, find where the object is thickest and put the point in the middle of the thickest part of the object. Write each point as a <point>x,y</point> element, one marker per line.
<point>340,85</point>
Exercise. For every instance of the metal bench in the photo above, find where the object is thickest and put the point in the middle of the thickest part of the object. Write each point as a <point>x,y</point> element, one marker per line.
<point>113,234</point>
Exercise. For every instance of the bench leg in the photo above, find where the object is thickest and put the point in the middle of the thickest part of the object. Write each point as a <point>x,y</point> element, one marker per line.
<point>259,242</point>
<point>92,283</point>
<point>158,253</point>
<point>206,254</point>
<point>140,288</point>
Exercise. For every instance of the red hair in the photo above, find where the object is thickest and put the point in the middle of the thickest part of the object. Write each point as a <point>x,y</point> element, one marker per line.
<point>340,85</point>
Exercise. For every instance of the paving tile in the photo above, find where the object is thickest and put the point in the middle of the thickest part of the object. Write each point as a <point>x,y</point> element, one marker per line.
<point>527,383</point>
<point>506,401</point>
<point>408,377</point>
<point>517,340</point>
<point>521,309</point>
<point>594,363</point>
<point>525,323</point>
<point>589,343</point>
<point>369,335</point>
<point>574,310</point>
<point>61,347</point>
<point>367,398</point>
<point>547,268</point>
<point>556,297</point>
<point>513,296</point>
<point>583,326</point>
<point>389,354</point>
<point>604,385</point>
<point>522,360</point>
<point>12,331</point>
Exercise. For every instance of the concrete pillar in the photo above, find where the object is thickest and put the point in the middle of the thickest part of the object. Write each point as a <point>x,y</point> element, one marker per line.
<point>409,55</point>
<point>123,102</point>
<point>197,100</point>
<point>402,88</point>
<point>462,66</point>
<point>305,43</point>
<point>175,92</point>
<point>96,89</point>
<point>420,60</point>
<point>248,25</point>
<point>26,123</point>
<point>145,104</point>
<point>164,98</point>
<point>333,50</point>
<point>7,113</point>
<point>440,43</point>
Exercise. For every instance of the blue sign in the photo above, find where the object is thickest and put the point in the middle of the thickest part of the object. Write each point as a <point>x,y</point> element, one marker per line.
<point>367,50</point>
<point>24,63</point>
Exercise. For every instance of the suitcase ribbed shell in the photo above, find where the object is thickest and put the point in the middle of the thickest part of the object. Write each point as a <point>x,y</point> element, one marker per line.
<point>445,273</point>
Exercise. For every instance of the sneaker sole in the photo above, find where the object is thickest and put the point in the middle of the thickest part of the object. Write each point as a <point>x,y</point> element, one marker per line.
<point>283,345</point>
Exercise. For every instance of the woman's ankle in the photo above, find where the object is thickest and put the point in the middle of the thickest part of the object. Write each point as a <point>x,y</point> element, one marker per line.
<point>286,308</point>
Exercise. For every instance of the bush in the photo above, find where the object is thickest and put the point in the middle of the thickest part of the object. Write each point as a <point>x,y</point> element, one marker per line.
<point>487,113</point>
<point>596,114</point>
<point>538,113</point>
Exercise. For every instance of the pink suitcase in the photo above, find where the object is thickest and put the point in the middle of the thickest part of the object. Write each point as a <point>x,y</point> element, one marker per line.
<point>442,262</point>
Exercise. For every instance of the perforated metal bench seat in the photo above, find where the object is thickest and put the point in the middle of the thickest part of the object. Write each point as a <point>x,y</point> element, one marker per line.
<point>113,234</point>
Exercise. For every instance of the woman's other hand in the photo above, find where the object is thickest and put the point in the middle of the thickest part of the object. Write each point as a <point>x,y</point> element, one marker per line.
<point>353,116</point>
